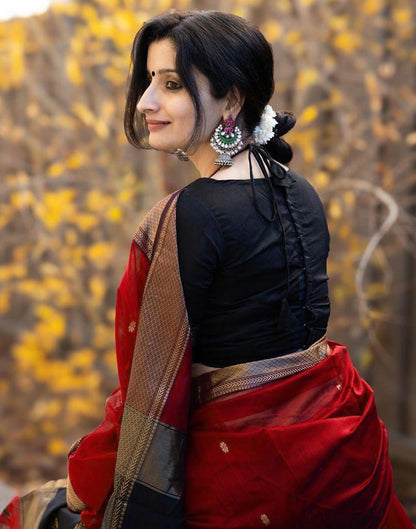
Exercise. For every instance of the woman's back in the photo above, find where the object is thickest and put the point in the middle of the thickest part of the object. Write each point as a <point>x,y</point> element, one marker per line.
<point>234,265</point>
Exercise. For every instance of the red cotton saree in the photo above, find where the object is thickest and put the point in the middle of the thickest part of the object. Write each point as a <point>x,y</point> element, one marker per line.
<point>293,441</point>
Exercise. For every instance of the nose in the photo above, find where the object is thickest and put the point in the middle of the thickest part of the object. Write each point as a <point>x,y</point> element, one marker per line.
<point>148,102</point>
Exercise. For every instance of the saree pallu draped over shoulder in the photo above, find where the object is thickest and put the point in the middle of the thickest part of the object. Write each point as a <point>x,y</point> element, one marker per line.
<point>129,471</point>
<point>293,441</point>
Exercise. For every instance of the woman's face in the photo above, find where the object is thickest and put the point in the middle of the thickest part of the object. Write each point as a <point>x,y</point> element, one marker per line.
<point>168,107</point>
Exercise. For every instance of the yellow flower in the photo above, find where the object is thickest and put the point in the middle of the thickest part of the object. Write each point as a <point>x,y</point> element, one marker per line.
<point>56,207</point>
<point>52,326</point>
<point>347,41</point>
<point>307,77</point>
<point>4,301</point>
<point>293,36</point>
<point>272,30</point>
<point>98,288</point>
<point>55,169</point>
<point>73,70</point>
<point>335,210</point>
<point>372,7</point>
<point>82,358</point>
<point>57,447</point>
<point>21,199</point>
<point>13,39</point>
<point>114,214</point>
<point>85,221</point>
<point>402,15</point>
<point>321,178</point>
<point>101,253</point>
<point>103,336</point>
<point>76,160</point>
<point>309,114</point>
<point>96,200</point>
<point>46,409</point>
<point>12,271</point>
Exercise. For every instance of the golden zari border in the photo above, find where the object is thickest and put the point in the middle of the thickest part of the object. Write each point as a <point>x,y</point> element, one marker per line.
<point>162,335</point>
<point>249,375</point>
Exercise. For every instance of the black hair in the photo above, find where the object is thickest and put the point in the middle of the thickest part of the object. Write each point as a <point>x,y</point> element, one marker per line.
<point>230,51</point>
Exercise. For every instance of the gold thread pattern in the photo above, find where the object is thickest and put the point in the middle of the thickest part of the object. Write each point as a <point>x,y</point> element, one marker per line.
<point>161,339</point>
<point>73,501</point>
<point>252,374</point>
<point>224,447</point>
<point>265,519</point>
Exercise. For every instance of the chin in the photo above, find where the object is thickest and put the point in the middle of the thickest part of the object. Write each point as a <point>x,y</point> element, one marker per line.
<point>163,146</point>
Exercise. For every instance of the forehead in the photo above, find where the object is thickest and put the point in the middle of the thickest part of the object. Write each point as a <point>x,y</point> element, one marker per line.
<point>161,55</point>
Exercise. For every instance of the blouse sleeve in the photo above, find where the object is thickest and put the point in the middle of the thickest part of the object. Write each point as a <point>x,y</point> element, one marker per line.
<point>201,249</point>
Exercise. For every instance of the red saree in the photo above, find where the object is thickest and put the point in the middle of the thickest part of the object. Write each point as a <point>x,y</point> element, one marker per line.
<point>304,451</point>
<point>288,442</point>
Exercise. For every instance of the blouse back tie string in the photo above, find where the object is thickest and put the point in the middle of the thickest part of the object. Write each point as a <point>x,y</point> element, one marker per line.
<point>264,160</point>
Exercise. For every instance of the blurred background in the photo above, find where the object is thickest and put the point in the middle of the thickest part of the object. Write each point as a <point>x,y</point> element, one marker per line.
<point>73,192</point>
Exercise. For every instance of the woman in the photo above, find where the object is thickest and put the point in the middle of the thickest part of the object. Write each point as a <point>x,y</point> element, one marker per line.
<point>233,411</point>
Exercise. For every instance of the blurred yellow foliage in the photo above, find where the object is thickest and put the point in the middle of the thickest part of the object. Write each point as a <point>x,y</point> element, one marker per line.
<point>96,200</point>
<point>57,207</point>
<point>272,30</point>
<point>12,271</point>
<point>321,178</point>
<point>372,7</point>
<point>293,36</point>
<point>348,41</point>
<point>21,199</point>
<point>46,409</point>
<point>335,210</point>
<point>403,15</point>
<point>103,336</point>
<point>13,38</point>
<point>85,222</point>
<point>55,169</point>
<point>307,77</point>
<point>83,358</point>
<point>309,114</point>
<point>101,253</point>
<point>57,446</point>
<point>98,288</point>
<point>4,301</point>
<point>52,321</point>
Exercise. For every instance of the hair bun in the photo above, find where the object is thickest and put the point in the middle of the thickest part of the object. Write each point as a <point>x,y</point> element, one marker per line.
<point>278,148</point>
<point>285,121</point>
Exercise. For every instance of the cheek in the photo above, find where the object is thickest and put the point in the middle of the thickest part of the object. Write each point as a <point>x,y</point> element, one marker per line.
<point>184,117</point>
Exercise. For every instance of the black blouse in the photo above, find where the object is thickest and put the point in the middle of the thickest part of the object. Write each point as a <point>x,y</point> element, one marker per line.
<point>252,258</point>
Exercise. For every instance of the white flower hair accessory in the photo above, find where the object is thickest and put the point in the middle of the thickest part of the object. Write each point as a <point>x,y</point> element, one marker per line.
<point>263,132</point>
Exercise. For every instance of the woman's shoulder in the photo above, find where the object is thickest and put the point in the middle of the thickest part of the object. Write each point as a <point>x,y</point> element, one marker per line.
<point>304,188</point>
<point>194,207</point>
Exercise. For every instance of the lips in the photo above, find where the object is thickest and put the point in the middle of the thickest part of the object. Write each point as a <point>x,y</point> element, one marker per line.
<point>153,124</point>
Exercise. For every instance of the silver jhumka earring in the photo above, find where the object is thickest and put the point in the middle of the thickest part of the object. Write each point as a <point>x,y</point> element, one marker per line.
<point>182,156</point>
<point>226,141</point>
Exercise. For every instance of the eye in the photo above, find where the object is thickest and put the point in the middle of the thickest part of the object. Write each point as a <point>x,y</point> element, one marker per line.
<point>172,85</point>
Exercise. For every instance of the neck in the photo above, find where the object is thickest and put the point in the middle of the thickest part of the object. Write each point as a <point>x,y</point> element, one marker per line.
<point>204,157</point>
